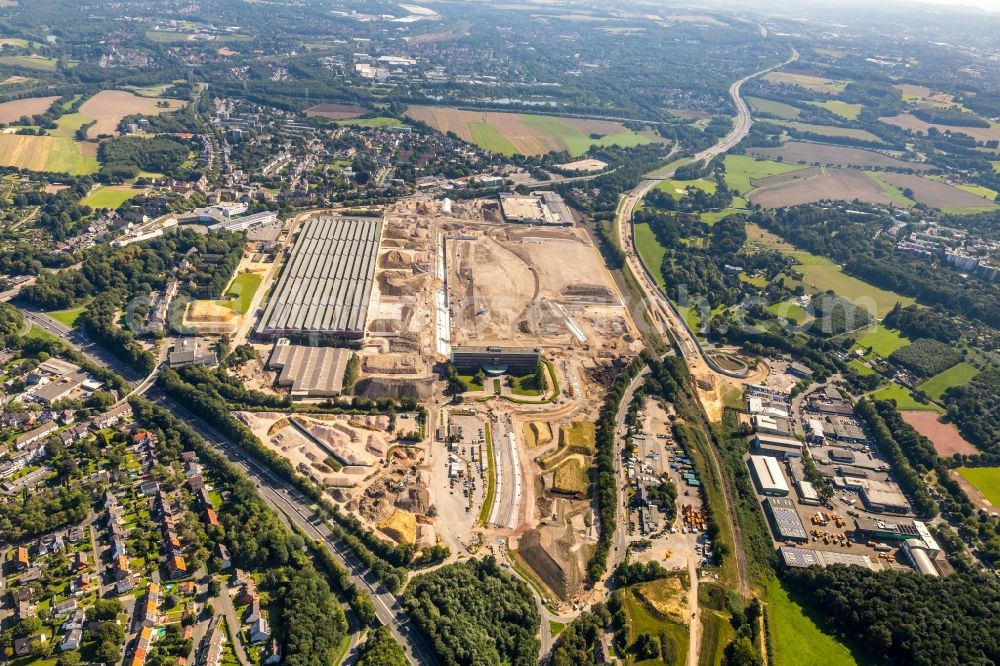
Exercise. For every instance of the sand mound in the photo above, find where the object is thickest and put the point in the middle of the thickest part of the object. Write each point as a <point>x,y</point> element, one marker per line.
<point>391,364</point>
<point>426,536</point>
<point>414,500</point>
<point>396,259</point>
<point>401,526</point>
<point>542,563</point>
<point>373,388</point>
<point>538,433</point>
<point>666,597</point>
<point>400,283</point>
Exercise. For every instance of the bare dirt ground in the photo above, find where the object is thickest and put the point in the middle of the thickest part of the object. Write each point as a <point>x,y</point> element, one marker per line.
<point>935,193</point>
<point>794,152</point>
<point>911,122</point>
<point>836,184</point>
<point>336,111</point>
<point>945,437</point>
<point>11,112</point>
<point>108,107</point>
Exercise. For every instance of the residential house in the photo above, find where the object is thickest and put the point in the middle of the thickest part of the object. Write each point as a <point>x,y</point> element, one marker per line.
<point>24,646</point>
<point>259,631</point>
<point>71,640</point>
<point>20,561</point>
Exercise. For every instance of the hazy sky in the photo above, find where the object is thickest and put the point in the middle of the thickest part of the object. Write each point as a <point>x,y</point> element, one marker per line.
<point>992,5</point>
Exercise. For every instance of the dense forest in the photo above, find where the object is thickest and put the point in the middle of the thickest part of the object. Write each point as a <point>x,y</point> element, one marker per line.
<point>909,619</point>
<point>473,613</point>
<point>917,322</point>
<point>975,409</point>
<point>124,157</point>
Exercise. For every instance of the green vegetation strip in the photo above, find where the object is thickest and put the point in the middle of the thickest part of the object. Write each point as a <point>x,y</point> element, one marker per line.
<point>491,485</point>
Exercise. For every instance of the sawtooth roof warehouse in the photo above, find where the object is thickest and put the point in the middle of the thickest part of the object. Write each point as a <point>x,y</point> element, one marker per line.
<point>327,285</point>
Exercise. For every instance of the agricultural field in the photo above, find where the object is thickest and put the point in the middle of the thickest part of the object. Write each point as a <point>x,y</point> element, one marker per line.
<point>937,194</point>
<point>380,121</point>
<point>945,437</point>
<point>910,122</point>
<point>165,37</point>
<point>111,197</point>
<point>894,193</point>
<point>957,375</point>
<point>836,184</point>
<point>913,93</point>
<point>109,107</point>
<point>151,91</point>
<point>797,638</point>
<point>984,479</point>
<point>336,111</point>
<point>777,109</point>
<point>528,134</point>
<point>828,130</point>
<point>882,341</point>
<point>842,109</point>
<point>33,61</point>
<point>812,82</point>
<point>818,153</point>
<point>821,274</point>
<point>11,112</point>
<point>742,170</point>
<point>905,401</point>
<point>48,153</point>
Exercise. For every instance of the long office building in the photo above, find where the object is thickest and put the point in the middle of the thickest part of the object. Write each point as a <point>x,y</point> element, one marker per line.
<point>496,360</point>
<point>326,287</point>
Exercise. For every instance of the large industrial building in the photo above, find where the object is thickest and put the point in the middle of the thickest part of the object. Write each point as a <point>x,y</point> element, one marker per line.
<point>785,520</point>
<point>309,371</point>
<point>878,496</point>
<point>541,208</point>
<point>793,556</point>
<point>326,287</point>
<point>496,360</point>
<point>777,445</point>
<point>767,474</point>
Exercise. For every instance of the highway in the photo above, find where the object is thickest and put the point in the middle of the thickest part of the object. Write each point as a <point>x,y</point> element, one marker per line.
<point>664,317</point>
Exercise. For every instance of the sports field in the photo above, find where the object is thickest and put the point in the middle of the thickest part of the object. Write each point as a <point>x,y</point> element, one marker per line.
<point>777,109</point>
<point>528,134</point>
<point>742,169</point>
<point>109,107</point>
<point>986,480</point>
<point>956,375</point>
<point>242,290</point>
<point>842,109</point>
<point>110,197</point>
<point>883,341</point>
<point>48,153</point>
<point>798,640</point>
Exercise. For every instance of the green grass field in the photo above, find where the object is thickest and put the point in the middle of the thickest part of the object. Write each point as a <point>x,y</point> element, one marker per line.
<point>242,290</point>
<point>821,274</point>
<point>490,138</point>
<point>380,121</point>
<point>956,375</point>
<point>671,186</point>
<point>673,166</point>
<point>576,141</point>
<point>109,197</point>
<point>650,251</point>
<point>789,310</point>
<point>979,191</point>
<point>67,317</point>
<point>842,109</point>
<point>738,207</point>
<point>778,109</point>
<point>39,333</point>
<point>996,165</point>
<point>740,169</point>
<point>860,367</point>
<point>798,640</point>
<point>883,341</point>
<point>40,63</point>
<point>985,479</point>
<point>67,125</point>
<point>890,190</point>
<point>829,130</point>
<point>641,621</point>
<point>904,399</point>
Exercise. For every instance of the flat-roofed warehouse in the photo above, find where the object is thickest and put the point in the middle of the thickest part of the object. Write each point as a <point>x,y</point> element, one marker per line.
<point>327,285</point>
<point>309,371</point>
<point>785,520</point>
<point>767,474</point>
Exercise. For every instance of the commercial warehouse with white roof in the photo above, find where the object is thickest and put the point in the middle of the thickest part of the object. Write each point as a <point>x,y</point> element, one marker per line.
<point>326,287</point>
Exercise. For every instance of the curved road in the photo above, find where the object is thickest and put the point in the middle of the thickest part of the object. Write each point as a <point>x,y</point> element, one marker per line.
<point>665,319</point>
